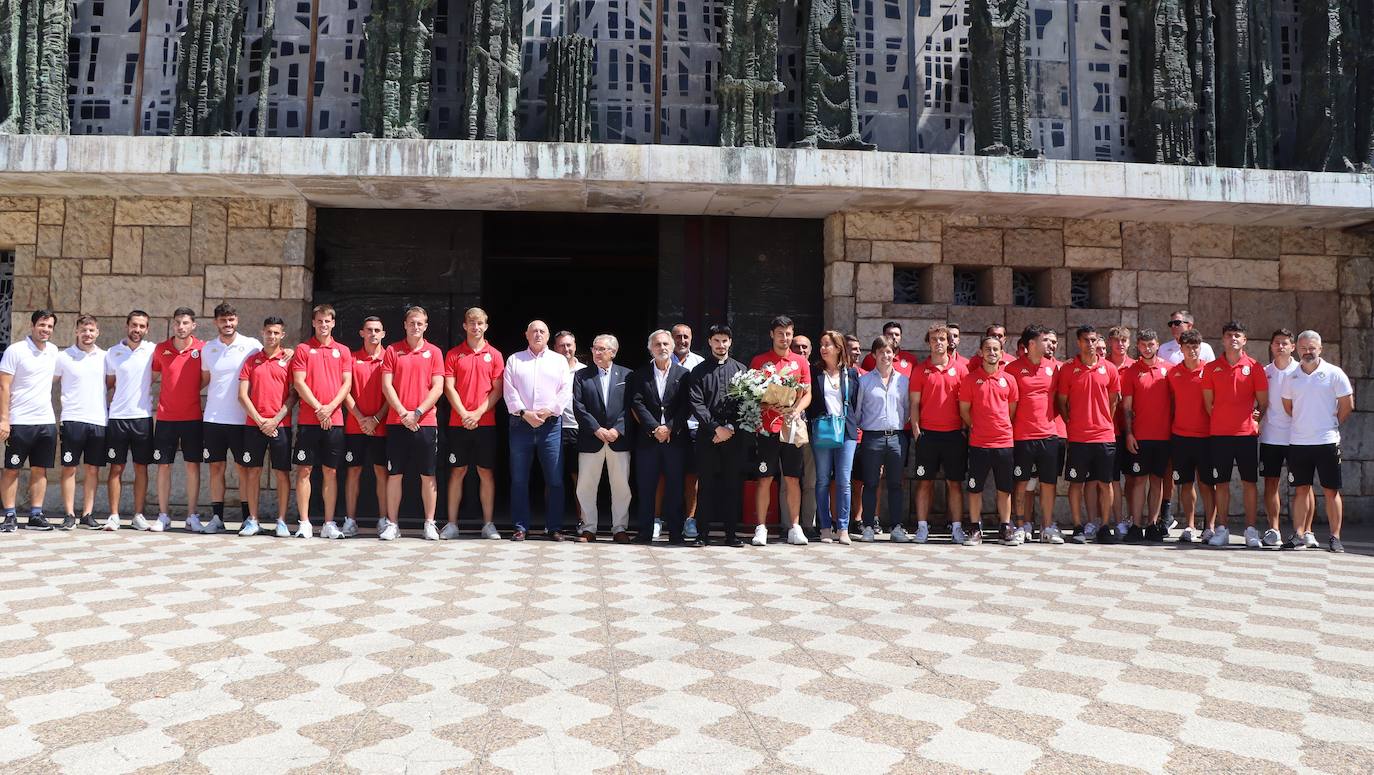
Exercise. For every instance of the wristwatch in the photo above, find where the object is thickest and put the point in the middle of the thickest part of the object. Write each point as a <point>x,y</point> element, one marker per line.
<point>419,413</point>
<point>520,413</point>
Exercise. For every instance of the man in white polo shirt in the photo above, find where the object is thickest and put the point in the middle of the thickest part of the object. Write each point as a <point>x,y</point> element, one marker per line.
<point>28,427</point>
<point>129,371</point>
<point>1318,397</point>
<point>221,360</point>
<point>81,369</point>
<point>1274,432</point>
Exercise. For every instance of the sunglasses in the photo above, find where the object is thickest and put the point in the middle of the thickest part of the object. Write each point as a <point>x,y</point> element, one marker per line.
<point>1176,323</point>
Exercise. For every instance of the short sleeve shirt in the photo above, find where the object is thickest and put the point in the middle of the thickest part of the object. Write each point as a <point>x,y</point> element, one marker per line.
<point>1233,394</point>
<point>1277,423</point>
<point>1190,415</point>
<point>1035,409</point>
<point>412,374</point>
<point>989,397</point>
<point>782,365</point>
<point>31,390</point>
<point>366,390</point>
<point>223,362</point>
<point>324,367</point>
<point>473,373</point>
<point>179,398</point>
<point>1314,398</point>
<point>1090,390</point>
<point>269,384</point>
<point>132,369</point>
<point>1147,385</point>
<point>939,389</point>
<point>83,385</point>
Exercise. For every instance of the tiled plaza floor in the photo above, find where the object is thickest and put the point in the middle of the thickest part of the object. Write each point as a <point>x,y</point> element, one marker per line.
<point>136,652</point>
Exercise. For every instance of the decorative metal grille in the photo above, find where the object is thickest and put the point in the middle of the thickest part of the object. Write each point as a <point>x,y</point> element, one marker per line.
<point>1080,290</point>
<point>6,295</point>
<point>966,287</point>
<point>1023,289</point>
<point>906,285</point>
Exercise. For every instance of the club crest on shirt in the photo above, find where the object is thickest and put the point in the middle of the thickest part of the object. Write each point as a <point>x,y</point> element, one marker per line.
<point>978,382</point>
<point>1101,369</point>
<point>901,364</point>
<point>1162,371</point>
<point>486,357</point>
<point>424,353</point>
<point>1245,370</point>
<point>1001,381</point>
<point>195,353</point>
<point>951,372</point>
<point>335,354</point>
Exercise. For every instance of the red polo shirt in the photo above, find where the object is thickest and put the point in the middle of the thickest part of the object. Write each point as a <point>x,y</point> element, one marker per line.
<point>1147,385</point>
<point>939,389</point>
<point>473,372</point>
<point>412,374</point>
<point>269,384</point>
<point>178,400</point>
<point>1233,394</point>
<point>324,367</point>
<point>366,390</point>
<point>1090,390</point>
<point>989,397</point>
<point>1035,409</point>
<point>1190,416</point>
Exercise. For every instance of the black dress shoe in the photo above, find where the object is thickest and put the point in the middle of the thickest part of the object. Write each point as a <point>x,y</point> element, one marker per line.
<point>734,542</point>
<point>69,522</point>
<point>554,535</point>
<point>38,522</point>
<point>644,538</point>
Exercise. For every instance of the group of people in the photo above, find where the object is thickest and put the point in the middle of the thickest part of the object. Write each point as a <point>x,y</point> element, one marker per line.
<point>1123,431</point>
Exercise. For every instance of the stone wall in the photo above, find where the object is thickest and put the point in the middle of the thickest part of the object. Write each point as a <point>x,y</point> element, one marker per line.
<point>1265,277</point>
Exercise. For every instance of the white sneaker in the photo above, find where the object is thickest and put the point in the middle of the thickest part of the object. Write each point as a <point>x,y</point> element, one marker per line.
<point>215,525</point>
<point>760,536</point>
<point>1022,535</point>
<point>139,522</point>
<point>304,529</point>
<point>922,533</point>
<point>350,528</point>
<point>1252,540</point>
<point>957,534</point>
<point>1051,535</point>
<point>658,528</point>
<point>899,535</point>
<point>489,531</point>
<point>1271,538</point>
<point>795,536</point>
<point>282,530</point>
<point>390,532</point>
<point>449,533</point>
<point>842,537</point>
<point>1090,530</point>
<point>250,527</point>
<point>382,522</point>
<point>162,524</point>
<point>868,535</point>
<point>431,533</point>
<point>330,530</point>
<point>1221,537</point>
<point>827,535</point>
<point>1310,540</point>
<point>689,528</point>
<point>111,522</point>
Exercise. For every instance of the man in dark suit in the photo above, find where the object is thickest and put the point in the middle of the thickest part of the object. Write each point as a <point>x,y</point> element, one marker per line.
<point>601,405</point>
<point>721,450</point>
<point>659,402</point>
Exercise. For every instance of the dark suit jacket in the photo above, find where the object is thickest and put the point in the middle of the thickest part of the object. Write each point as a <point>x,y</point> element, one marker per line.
<point>647,407</point>
<point>593,413</point>
<point>849,384</point>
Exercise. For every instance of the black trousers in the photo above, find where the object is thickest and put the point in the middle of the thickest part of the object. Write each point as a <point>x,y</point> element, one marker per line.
<point>653,460</point>
<point>720,483</point>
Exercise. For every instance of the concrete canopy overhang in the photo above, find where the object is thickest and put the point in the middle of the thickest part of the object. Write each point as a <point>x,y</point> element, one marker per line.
<point>678,180</point>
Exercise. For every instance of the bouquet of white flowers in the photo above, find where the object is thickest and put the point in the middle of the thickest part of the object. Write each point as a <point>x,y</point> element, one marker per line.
<point>756,389</point>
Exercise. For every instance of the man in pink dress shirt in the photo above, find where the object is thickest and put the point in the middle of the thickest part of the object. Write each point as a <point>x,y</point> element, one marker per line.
<point>537,387</point>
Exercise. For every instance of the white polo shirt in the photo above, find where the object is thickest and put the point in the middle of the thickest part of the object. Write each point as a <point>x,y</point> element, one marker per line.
<point>83,385</point>
<point>1314,399</point>
<point>31,391</point>
<point>223,362</point>
<point>132,369</point>
<point>1173,353</point>
<point>1274,430</point>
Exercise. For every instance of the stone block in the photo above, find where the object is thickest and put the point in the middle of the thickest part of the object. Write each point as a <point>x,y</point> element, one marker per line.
<point>1358,350</point>
<point>1201,239</point>
<point>1261,312</point>
<point>1332,351</point>
<point>973,321</point>
<point>1017,318</point>
<point>88,228</point>
<point>1308,273</point>
<point>839,279</point>
<point>1211,308</point>
<point>1057,287</point>
<point>242,282</point>
<point>166,250</point>
<point>26,261</point>
<point>1115,288</point>
<point>938,284</point>
<point>1257,242</point>
<point>1357,275</point>
<point>868,329</point>
<point>1145,246</point>
<point>1355,310</point>
<point>128,250</point>
<point>250,213</point>
<point>839,313</point>
<point>1156,316</point>
<point>30,293</point>
<point>832,232</point>
<point>906,313</point>
<point>1315,311</point>
<point>896,225</point>
<point>18,228</point>
<point>65,285</point>
<point>932,228</point>
<point>298,248</point>
<point>209,232</point>
<point>153,211</point>
<point>873,283</point>
<point>972,246</point>
<point>1130,318</point>
<point>1092,233</point>
<point>256,246</point>
<point>1033,248</point>
<point>1344,243</point>
<point>29,203</point>
<point>51,210</point>
<point>95,266</point>
<point>1161,287</point>
<point>290,214</point>
<point>1092,258</point>
<point>906,252</point>
<point>49,240</point>
<point>1357,435</point>
<point>1302,241</point>
<point>994,286</point>
<point>114,295</point>
<point>858,250</point>
<point>1233,273</point>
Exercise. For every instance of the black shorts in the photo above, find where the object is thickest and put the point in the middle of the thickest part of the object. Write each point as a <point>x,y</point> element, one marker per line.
<point>82,440</point>
<point>998,461</point>
<point>1322,459</point>
<point>259,449</point>
<point>222,441</point>
<point>172,435</point>
<point>1151,460</point>
<point>361,449</point>
<point>941,451</point>
<point>411,452</point>
<point>569,441</point>
<point>130,435</point>
<point>476,447</point>
<point>1091,462</point>
<point>1041,459</point>
<point>1241,452</point>
<point>316,446</point>
<point>1189,456</point>
<point>35,444</point>
<point>772,456</point>
<point>1271,459</point>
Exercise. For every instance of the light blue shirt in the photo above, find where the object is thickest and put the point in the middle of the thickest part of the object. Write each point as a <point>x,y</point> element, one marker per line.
<point>882,408</point>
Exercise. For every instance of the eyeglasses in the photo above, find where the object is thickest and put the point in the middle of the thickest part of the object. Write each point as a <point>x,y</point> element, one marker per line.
<point>1176,323</point>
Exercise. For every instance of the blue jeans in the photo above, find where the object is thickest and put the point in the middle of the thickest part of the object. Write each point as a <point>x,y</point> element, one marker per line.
<point>546,443</point>
<point>839,462</point>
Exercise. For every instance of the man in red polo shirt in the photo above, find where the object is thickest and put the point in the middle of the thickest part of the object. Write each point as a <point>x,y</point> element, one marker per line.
<point>412,381</point>
<point>176,367</point>
<point>1146,416</point>
<point>265,394</point>
<point>902,364</point>
<point>365,426</point>
<point>774,456</point>
<point>1088,391</point>
<point>1189,451</point>
<point>322,372</point>
<point>938,431</point>
<point>472,384</point>
<point>1235,390</point>
<point>1038,447</point>
<point>988,404</point>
